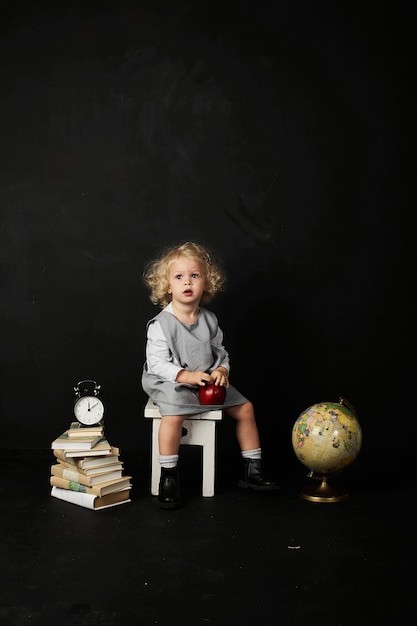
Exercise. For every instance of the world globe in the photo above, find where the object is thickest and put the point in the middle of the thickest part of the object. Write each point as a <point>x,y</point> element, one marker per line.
<point>326,438</point>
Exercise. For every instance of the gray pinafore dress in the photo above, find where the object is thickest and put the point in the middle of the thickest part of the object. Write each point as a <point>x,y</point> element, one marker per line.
<point>191,346</point>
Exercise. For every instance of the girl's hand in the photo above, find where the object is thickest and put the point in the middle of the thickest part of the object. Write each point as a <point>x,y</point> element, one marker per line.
<point>219,377</point>
<point>194,378</point>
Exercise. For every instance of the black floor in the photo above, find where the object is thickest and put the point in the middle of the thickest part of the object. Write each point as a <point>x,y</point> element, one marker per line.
<point>240,558</point>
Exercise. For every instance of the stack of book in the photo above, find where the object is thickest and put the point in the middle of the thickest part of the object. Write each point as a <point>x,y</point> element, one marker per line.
<point>88,470</point>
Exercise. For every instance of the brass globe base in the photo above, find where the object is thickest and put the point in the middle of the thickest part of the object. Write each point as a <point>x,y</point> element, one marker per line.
<point>321,491</point>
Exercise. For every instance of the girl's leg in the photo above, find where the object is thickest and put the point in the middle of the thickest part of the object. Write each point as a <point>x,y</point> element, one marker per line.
<point>248,438</point>
<point>169,438</point>
<point>170,431</point>
<point>246,429</point>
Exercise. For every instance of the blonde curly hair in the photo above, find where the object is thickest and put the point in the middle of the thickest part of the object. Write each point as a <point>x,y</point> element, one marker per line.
<point>156,273</point>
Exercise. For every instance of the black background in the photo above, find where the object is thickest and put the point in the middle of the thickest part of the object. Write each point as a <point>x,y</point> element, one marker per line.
<point>279,134</point>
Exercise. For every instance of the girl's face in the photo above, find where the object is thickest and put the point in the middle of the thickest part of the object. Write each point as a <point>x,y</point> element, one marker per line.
<point>186,281</point>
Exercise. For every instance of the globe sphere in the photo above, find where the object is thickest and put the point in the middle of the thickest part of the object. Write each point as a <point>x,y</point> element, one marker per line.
<point>327,437</point>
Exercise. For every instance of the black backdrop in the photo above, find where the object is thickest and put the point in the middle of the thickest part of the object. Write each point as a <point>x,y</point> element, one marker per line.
<point>277,133</point>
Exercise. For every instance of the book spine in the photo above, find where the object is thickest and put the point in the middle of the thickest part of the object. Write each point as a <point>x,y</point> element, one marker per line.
<point>82,499</point>
<point>75,430</point>
<point>102,448</point>
<point>69,474</point>
<point>62,457</point>
<point>98,490</point>
<point>71,485</point>
<point>76,434</point>
<point>87,429</point>
<point>116,466</point>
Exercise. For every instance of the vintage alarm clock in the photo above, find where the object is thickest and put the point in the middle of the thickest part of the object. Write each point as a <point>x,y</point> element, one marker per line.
<point>88,405</point>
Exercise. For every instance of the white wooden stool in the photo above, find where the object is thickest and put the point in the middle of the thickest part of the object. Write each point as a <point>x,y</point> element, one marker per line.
<point>199,431</point>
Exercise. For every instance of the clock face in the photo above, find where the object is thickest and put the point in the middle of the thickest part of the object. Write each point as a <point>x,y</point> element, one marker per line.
<point>89,410</point>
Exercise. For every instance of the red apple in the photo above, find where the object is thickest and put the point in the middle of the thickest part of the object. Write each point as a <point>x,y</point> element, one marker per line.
<point>212,394</point>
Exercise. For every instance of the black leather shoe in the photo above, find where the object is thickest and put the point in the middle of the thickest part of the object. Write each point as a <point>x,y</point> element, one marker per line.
<point>169,489</point>
<point>253,477</point>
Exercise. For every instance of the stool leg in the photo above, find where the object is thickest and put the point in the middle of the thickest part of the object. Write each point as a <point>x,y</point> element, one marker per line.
<point>209,453</point>
<point>156,467</point>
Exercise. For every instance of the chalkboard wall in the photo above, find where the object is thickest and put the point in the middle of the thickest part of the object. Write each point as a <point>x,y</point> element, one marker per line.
<point>276,133</point>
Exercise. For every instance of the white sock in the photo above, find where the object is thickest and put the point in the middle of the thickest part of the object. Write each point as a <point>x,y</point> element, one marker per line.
<point>252,454</point>
<point>168,460</point>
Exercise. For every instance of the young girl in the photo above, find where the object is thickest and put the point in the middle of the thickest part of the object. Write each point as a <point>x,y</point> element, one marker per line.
<point>184,351</point>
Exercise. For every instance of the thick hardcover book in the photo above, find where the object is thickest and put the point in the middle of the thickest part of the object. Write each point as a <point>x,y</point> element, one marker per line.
<point>100,448</point>
<point>89,461</point>
<point>82,442</point>
<point>76,429</point>
<point>90,501</point>
<point>78,477</point>
<point>97,490</point>
<point>92,471</point>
